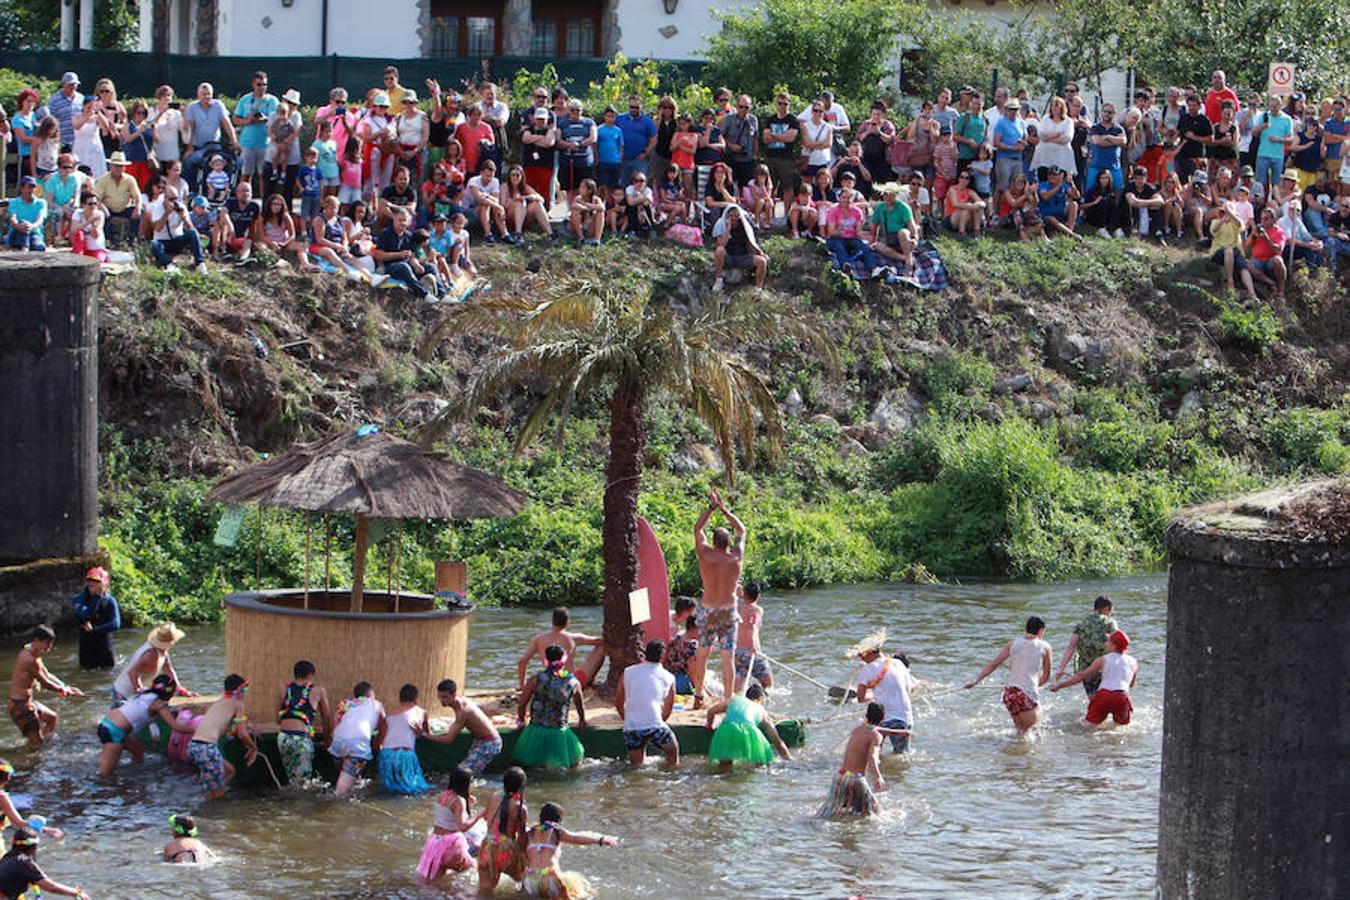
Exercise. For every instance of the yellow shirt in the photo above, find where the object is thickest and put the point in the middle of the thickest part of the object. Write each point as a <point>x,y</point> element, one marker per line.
<point>1227,234</point>
<point>117,195</point>
<point>395,99</point>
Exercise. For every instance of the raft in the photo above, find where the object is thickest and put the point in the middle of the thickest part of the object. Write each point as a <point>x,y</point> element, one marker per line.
<point>601,740</point>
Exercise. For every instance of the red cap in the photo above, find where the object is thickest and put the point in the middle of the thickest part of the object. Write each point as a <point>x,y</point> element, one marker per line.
<point>97,573</point>
<point>1120,640</point>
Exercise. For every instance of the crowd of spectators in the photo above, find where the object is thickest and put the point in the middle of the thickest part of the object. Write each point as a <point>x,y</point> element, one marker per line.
<point>391,186</point>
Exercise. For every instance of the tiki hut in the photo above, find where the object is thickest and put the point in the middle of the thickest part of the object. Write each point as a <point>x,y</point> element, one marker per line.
<point>383,637</point>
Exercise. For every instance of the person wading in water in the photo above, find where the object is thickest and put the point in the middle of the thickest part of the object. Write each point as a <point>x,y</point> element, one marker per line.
<point>720,568</point>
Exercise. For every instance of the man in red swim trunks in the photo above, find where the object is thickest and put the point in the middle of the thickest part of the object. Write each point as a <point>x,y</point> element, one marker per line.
<point>1117,670</point>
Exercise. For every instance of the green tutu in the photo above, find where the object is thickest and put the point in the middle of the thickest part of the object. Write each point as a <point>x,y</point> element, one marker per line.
<point>553,748</point>
<point>740,742</point>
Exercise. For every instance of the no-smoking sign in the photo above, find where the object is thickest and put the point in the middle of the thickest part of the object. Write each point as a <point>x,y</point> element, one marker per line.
<point>1281,80</point>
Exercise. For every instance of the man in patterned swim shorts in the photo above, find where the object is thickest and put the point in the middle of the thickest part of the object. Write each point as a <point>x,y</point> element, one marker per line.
<point>487,743</point>
<point>224,715</point>
<point>645,697</point>
<point>719,566</point>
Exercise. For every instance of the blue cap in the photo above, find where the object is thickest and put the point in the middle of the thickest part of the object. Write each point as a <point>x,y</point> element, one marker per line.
<point>26,180</point>
<point>198,200</point>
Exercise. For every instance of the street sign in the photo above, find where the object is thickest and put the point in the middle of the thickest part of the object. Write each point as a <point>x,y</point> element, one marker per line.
<point>1281,81</point>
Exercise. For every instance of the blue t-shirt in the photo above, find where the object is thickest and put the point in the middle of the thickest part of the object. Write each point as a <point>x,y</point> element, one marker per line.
<point>33,213</point>
<point>609,144</point>
<point>442,243</point>
<point>1331,126</point>
<point>26,122</point>
<point>1009,130</point>
<point>255,135</point>
<point>310,181</point>
<point>1280,126</point>
<point>636,133</point>
<point>1055,206</point>
<point>1105,157</point>
<point>60,190</point>
<point>328,161</point>
<point>578,130</point>
<point>205,122</point>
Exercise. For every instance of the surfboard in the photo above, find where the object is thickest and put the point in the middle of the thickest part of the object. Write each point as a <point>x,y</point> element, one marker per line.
<point>653,576</point>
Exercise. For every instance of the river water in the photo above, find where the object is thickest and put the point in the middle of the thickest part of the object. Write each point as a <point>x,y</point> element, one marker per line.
<point>973,812</point>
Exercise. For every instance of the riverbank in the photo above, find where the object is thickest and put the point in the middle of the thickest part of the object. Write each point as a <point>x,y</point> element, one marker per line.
<point>1039,419</point>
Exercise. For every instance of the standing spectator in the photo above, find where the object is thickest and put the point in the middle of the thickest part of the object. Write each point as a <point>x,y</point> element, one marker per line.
<point>968,130</point>
<point>1219,91</point>
<point>326,151</point>
<point>1196,132</point>
<point>412,127</point>
<point>63,106</point>
<point>711,149</point>
<point>576,137</point>
<point>1077,113</point>
<point>173,232</point>
<point>740,130</point>
<point>137,139</point>
<point>1274,132</point>
<point>876,135</point>
<point>392,89</point>
<point>1170,118</point>
<point>537,152</point>
<point>1107,140</point>
<point>1335,136</point>
<point>88,148</point>
<point>120,195</point>
<point>445,118</point>
<point>1223,146</point>
<point>609,151</point>
<point>1149,119</point>
<point>496,114</point>
<point>343,117</point>
<point>169,125</point>
<point>203,123</point>
<point>25,218</point>
<point>817,140</point>
<point>113,111</point>
<point>283,133</point>
<point>1010,137</point>
<point>667,123</point>
<point>639,139</point>
<point>943,112</point>
<point>251,115</point>
<point>995,112</point>
<point>23,125</point>
<point>1306,152</point>
<point>377,144</point>
<point>538,101</point>
<point>1055,144</point>
<point>779,141</point>
<point>475,136</point>
<point>1246,120</point>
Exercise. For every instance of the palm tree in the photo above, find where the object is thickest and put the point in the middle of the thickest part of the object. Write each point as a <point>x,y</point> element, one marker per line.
<point>578,338</point>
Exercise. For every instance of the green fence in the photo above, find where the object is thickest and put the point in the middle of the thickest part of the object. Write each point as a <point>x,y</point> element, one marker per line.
<point>138,74</point>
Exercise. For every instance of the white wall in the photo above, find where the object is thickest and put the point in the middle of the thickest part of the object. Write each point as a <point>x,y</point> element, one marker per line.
<point>355,28</point>
<point>390,33</point>
<point>640,22</point>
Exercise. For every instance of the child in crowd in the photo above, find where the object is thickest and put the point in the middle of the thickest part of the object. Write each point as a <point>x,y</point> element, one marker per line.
<point>608,150</point>
<point>982,171</point>
<point>459,246</point>
<point>184,847</point>
<point>802,215</point>
<point>326,149</point>
<point>670,197</point>
<point>683,146</point>
<point>502,851</point>
<point>758,198</point>
<point>944,163</point>
<point>543,852</point>
<point>217,182</point>
<point>439,244</point>
<point>311,186</point>
<point>750,663</point>
<point>400,772</point>
<point>349,175</point>
<point>448,847</point>
<point>359,730</point>
<point>588,214</point>
<point>204,221</point>
<point>616,210</point>
<point>46,147</point>
<point>436,194</point>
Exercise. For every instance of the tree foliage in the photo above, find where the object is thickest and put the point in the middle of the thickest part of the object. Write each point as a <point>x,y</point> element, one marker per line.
<point>36,24</point>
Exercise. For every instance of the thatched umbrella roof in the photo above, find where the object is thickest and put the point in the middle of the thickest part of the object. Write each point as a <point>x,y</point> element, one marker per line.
<point>375,475</point>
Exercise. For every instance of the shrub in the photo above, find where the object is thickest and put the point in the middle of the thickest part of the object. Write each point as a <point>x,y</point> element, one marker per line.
<point>1250,325</point>
<point>1310,439</point>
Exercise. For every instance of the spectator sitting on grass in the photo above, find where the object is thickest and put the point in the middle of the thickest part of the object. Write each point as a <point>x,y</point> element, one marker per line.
<point>26,214</point>
<point>1265,252</point>
<point>1227,248</point>
<point>173,231</point>
<point>736,247</point>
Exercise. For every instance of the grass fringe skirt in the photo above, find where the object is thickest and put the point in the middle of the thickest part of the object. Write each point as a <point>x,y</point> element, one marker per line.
<point>401,773</point>
<point>740,742</point>
<point>554,748</point>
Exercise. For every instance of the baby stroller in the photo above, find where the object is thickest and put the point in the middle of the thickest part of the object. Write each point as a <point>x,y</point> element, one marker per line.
<point>231,169</point>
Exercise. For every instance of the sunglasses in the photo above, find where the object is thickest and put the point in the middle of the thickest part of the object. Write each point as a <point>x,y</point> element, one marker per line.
<point>817,109</point>
<point>742,106</point>
<point>66,168</point>
<point>782,103</point>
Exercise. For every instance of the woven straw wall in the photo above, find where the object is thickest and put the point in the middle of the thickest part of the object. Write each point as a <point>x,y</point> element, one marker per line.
<point>263,647</point>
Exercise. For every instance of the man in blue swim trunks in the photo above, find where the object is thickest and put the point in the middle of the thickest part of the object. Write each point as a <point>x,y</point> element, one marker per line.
<point>645,697</point>
<point>487,742</point>
<point>225,715</point>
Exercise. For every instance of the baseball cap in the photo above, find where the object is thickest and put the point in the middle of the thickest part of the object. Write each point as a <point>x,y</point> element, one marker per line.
<point>198,200</point>
<point>541,113</point>
<point>26,180</point>
<point>380,99</point>
<point>1247,172</point>
<point>97,573</point>
<point>439,217</point>
<point>70,78</point>
<point>1202,177</point>
<point>1242,188</point>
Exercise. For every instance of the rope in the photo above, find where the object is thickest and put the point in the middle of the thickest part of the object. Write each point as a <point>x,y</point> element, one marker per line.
<point>270,770</point>
<point>785,667</point>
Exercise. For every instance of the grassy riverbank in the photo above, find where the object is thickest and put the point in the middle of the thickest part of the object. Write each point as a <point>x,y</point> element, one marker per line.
<point>1040,419</point>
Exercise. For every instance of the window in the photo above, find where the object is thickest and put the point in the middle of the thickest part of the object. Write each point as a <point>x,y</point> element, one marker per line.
<point>482,36</point>
<point>445,37</point>
<point>544,40</point>
<point>580,39</point>
<point>466,28</point>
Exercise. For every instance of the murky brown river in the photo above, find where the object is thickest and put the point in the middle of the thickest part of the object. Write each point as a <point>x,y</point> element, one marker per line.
<point>974,812</point>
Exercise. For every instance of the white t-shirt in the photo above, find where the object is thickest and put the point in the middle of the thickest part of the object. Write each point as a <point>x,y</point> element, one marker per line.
<point>496,110</point>
<point>818,133</point>
<point>636,196</point>
<point>492,189</point>
<point>173,226</point>
<point>835,115</point>
<point>991,117</point>
<point>358,723</point>
<point>892,692</point>
<point>1024,665</point>
<point>401,728</point>
<point>645,687</point>
<point>1118,671</point>
<point>168,127</point>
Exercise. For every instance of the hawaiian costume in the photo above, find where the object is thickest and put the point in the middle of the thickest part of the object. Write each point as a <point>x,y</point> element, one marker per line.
<point>717,627</point>
<point>443,851</point>
<point>296,748</point>
<point>738,738</point>
<point>850,796</point>
<point>351,737</point>
<point>400,770</point>
<point>679,655</point>
<point>546,740</point>
<point>550,881</point>
<point>500,854</point>
<point>481,754</point>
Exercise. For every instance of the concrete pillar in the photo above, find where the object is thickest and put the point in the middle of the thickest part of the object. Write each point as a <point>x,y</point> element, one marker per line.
<point>49,406</point>
<point>610,33</point>
<point>67,24</point>
<point>86,24</point>
<point>1256,730</point>
<point>517,27</point>
<point>145,35</point>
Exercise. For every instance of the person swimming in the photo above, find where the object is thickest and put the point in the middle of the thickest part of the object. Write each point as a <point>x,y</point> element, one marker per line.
<point>543,852</point>
<point>184,846</point>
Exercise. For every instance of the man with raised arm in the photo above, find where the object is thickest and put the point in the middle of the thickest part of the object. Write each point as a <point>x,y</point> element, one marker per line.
<point>720,568</point>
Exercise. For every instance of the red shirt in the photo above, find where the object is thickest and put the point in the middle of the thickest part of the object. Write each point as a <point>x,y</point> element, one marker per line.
<point>1269,245</point>
<point>1214,101</point>
<point>468,138</point>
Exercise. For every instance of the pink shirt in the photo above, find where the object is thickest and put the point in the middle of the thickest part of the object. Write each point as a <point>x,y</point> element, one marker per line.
<point>843,223</point>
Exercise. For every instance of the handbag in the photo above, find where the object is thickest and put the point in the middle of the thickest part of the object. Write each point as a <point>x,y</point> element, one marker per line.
<point>689,235</point>
<point>898,154</point>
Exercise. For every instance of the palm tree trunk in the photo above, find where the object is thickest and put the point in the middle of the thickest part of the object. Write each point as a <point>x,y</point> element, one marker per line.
<point>623,474</point>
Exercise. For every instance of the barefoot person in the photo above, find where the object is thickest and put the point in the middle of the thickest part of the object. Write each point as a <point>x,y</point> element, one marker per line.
<point>36,722</point>
<point>545,740</point>
<point>1028,660</point>
<point>1115,672</point>
<point>503,849</point>
<point>887,678</point>
<point>719,566</point>
<point>543,851</point>
<point>569,641</point>
<point>19,870</point>
<point>184,847</point>
<point>226,715</point>
<point>358,733</point>
<point>301,707</point>
<point>117,731</point>
<point>150,659</point>
<point>746,734</point>
<point>487,742</point>
<point>400,769</point>
<point>749,662</point>
<point>644,699</point>
<point>1089,642</point>
<point>851,795</point>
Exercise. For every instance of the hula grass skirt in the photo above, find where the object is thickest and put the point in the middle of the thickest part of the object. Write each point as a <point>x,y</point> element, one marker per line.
<point>740,742</point>
<point>555,884</point>
<point>553,748</point>
<point>401,773</point>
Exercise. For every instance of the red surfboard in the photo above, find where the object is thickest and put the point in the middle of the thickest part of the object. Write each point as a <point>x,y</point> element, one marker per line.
<point>653,576</point>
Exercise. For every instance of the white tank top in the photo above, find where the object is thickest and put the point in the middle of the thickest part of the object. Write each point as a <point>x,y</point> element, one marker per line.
<point>123,685</point>
<point>137,710</point>
<point>1024,665</point>
<point>358,723</point>
<point>409,129</point>
<point>1118,671</point>
<point>398,728</point>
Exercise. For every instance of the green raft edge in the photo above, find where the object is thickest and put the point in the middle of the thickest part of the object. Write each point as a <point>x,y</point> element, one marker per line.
<point>598,743</point>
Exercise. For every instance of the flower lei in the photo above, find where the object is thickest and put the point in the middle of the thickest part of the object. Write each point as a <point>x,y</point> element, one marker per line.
<point>885,667</point>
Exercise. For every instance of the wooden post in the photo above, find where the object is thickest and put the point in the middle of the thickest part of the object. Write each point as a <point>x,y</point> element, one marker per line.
<point>359,560</point>
<point>327,556</point>
<point>257,572</point>
<point>309,524</point>
<point>398,564</point>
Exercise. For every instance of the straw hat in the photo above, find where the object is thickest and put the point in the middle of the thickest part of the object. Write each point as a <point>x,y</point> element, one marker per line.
<point>888,188</point>
<point>118,158</point>
<point>870,644</point>
<point>165,635</point>
<point>292,97</point>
